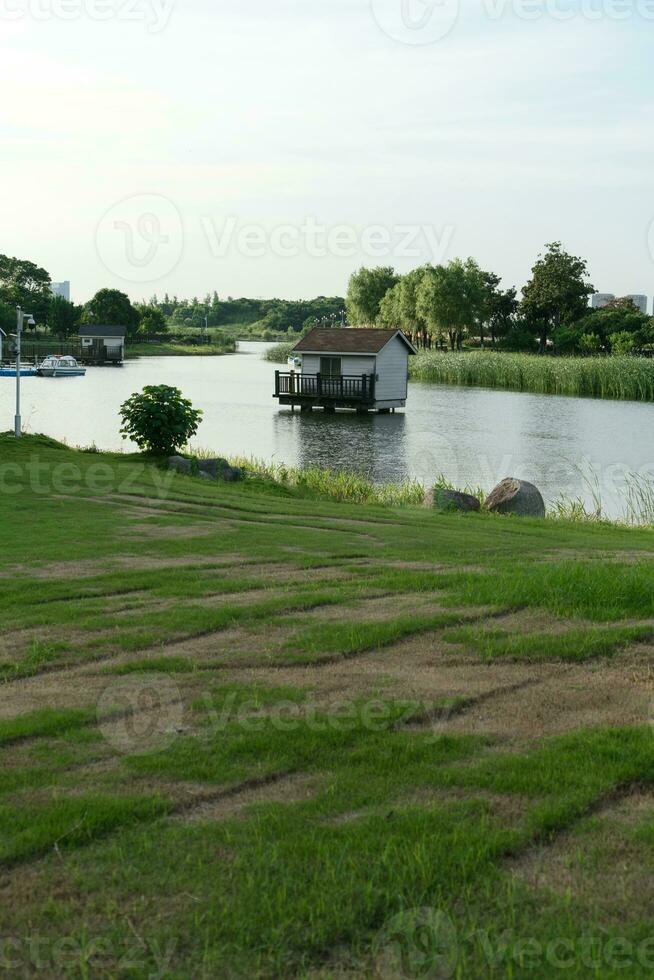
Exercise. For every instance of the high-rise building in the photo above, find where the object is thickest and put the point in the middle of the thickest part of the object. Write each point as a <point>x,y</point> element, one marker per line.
<point>600,300</point>
<point>639,301</point>
<point>61,289</point>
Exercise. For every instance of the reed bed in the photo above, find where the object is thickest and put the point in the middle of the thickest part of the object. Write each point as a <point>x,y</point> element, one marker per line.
<point>627,378</point>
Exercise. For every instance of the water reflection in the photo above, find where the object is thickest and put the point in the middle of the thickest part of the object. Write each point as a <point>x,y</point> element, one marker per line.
<point>374,445</point>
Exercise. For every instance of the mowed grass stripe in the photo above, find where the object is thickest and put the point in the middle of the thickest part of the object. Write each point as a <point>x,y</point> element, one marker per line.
<point>328,641</point>
<point>574,644</point>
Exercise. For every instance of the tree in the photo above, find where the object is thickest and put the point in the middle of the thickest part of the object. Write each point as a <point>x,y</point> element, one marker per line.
<point>152,319</point>
<point>389,309</point>
<point>365,292</point>
<point>63,317</point>
<point>451,298</point>
<point>557,292</point>
<point>112,308</point>
<point>23,283</point>
<point>502,308</point>
<point>159,419</point>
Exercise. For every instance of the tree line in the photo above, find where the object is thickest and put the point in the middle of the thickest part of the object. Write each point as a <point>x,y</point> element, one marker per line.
<point>275,315</point>
<point>26,284</point>
<point>443,305</point>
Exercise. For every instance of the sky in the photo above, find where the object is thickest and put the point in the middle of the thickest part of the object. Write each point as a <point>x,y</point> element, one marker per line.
<point>271,147</point>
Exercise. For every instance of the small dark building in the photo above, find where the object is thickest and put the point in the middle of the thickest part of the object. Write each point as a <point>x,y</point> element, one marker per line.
<point>102,345</point>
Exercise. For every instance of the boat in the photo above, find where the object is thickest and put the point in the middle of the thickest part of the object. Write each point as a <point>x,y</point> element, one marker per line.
<point>9,371</point>
<point>60,366</point>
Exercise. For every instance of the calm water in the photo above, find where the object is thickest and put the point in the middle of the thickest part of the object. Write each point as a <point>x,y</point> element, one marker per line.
<point>474,436</point>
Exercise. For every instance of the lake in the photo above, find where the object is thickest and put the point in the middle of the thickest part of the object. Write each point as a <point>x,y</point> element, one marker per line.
<point>473,436</point>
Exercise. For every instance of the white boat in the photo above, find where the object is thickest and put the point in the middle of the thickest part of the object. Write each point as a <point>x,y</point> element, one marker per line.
<point>60,366</point>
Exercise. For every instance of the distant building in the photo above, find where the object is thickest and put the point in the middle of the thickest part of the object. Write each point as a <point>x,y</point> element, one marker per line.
<point>61,289</point>
<point>600,300</point>
<point>102,345</point>
<point>639,301</point>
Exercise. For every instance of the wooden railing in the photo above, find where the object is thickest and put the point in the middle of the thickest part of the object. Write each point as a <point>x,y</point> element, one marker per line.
<point>343,387</point>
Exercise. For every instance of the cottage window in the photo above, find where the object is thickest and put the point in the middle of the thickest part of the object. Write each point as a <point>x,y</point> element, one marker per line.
<point>330,367</point>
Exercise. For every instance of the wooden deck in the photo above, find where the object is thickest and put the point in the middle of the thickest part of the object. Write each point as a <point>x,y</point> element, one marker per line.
<point>323,391</point>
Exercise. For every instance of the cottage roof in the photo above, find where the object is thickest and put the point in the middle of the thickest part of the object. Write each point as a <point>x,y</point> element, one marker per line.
<point>351,340</point>
<point>96,330</point>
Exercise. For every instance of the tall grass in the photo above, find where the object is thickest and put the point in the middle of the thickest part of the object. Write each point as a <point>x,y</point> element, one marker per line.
<point>341,485</point>
<point>598,377</point>
<point>280,353</point>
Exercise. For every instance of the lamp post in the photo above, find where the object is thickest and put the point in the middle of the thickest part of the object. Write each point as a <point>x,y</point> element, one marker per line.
<point>20,316</point>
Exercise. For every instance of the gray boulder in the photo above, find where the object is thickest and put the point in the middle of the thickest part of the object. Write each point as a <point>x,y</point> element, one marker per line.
<point>518,497</point>
<point>219,469</point>
<point>450,500</point>
<point>180,464</point>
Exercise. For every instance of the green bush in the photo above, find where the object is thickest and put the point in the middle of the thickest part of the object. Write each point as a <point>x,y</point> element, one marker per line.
<point>622,342</point>
<point>159,419</point>
<point>590,343</point>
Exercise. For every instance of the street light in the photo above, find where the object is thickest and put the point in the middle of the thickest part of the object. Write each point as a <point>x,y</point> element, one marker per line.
<point>20,317</point>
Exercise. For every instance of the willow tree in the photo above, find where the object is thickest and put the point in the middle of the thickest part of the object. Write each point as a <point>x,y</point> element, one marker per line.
<point>365,292</point>
<point>451,299</point>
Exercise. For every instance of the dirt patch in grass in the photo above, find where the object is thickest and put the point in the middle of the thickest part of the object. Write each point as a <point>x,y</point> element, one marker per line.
<point>600,863</point>
<point>295,788</point>
<point>566,698</point>
<point>615,557</point>
<point>168,531</point>
<point>98,566</point>
<point>504,807</point>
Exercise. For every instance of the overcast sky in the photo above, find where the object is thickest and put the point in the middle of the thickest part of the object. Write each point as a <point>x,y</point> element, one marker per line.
<point>270,147</point>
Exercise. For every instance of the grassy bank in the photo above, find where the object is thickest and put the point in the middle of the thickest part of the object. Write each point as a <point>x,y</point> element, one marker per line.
<point>180,350</point>
<point>599,377</point>
<point>351,732</point>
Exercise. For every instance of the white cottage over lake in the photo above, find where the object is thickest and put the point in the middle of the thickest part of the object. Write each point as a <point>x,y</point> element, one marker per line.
<point>347,368</point>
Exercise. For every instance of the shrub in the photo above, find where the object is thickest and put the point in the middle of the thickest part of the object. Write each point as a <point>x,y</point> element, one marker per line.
<point>622,342</point>
<point>590,343</point>
<point>159,419</point>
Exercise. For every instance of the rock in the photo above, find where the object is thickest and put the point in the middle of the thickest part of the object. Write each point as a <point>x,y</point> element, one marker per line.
<point>180,464</point>
<point>219,469</point>
<point>518,497</point>
<point>453,500</point>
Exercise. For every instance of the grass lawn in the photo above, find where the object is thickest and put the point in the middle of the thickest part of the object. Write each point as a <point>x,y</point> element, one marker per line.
<point>247,732</point>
